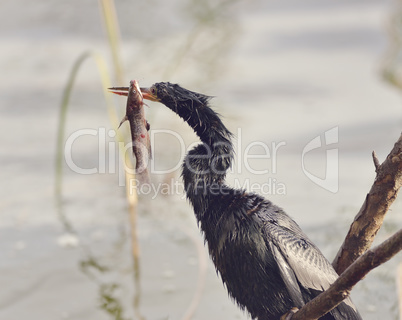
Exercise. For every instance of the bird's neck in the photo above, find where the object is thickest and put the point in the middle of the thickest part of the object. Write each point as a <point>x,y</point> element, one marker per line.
<point>205,166</point>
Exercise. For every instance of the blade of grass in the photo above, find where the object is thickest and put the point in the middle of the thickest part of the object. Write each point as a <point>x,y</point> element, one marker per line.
<point>112,28</point>
<point>105,80</point>
<point>111,23</point>
<point>105,83</point>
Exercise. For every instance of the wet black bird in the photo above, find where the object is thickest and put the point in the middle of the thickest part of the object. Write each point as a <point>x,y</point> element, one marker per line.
<point>265,260</point>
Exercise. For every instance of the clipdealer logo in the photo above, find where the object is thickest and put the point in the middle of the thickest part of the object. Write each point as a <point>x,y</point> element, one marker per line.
<point>330,181</point>
<point>112,159</point>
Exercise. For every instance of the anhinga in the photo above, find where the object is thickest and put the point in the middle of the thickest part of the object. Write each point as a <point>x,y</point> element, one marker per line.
<point>265,260</point>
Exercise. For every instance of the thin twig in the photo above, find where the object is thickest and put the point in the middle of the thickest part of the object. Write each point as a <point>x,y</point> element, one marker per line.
<point>376,162</point>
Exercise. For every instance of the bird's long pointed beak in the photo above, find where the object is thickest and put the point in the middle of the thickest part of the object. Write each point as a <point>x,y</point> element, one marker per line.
<point>123,91</point>
<point>147,94</point>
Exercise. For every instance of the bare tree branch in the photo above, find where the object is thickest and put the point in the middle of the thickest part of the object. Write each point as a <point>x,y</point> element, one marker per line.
<point>371,215</point>
<point>341,288</point>
<point>350,259</point>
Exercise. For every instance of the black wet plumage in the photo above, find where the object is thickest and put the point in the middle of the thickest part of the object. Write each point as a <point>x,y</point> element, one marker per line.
<point>265,260</point>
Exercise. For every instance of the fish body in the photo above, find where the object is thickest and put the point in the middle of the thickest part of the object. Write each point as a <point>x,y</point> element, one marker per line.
<point>139,128</point>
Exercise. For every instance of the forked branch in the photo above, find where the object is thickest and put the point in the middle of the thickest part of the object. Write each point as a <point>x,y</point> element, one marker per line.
<point>341,288</point>
<point>371,215</point>
<point>354,260</point>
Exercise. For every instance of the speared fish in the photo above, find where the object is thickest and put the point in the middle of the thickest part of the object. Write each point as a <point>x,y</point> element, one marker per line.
<point>139,128</point>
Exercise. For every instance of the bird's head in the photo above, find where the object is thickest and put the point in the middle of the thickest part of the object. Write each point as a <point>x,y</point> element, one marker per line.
<point>175,97</point>
<point>191,106</point>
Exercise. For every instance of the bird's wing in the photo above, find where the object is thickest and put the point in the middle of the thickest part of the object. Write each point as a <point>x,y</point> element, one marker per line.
<point>294,252</point>
<point>288,277</point>
<point>311,268</point>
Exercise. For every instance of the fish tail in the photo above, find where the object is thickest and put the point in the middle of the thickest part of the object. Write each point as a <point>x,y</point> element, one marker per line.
<point>142,174</point>
<point>143,177</point>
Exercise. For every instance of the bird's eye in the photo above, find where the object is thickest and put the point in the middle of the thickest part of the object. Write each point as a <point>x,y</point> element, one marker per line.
<point>153,91</point>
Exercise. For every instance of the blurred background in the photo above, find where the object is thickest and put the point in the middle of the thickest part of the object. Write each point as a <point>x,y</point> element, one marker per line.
<point>281,73</point>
